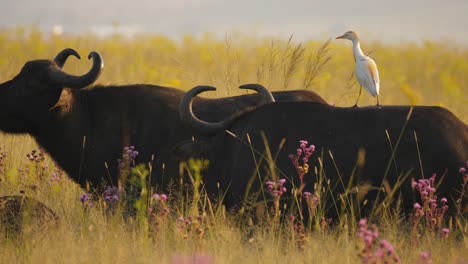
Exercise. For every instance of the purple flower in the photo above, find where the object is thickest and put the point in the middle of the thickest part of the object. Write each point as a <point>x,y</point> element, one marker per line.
<point>36,156</point>
<point>111,194</point>
<point>363,222</point>
<point>159,197</point>
<point>445,232</point>
<point>380,253</point>
<point>432,214</point>
<point>276,189</point>
<point>86,199</point>
<point>424,255</point>
<point>390,250</point>
<point>299,152</point>
<point>129,155</point>
<point>300,162</point>
<point>384,243</point>
<point>270,185</point>
<point>371,253</point>
<point>368,240</point>
<point>303,154</point>
<point>315,200</point>
<point>195,258</point>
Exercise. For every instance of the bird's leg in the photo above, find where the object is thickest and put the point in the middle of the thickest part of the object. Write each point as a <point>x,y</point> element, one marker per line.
<point>360,90</point>
<point>378,104</point>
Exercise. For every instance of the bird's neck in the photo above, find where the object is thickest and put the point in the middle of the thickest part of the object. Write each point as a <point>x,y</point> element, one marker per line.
<point>358,54</point>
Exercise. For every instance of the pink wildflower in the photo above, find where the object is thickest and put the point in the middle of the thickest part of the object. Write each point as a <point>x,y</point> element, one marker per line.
<point>445,232</point>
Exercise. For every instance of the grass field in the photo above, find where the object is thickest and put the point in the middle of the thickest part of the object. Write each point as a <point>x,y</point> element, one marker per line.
<point>430,73</point>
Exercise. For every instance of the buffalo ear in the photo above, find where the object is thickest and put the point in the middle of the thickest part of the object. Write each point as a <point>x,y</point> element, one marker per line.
<point>195,149</point>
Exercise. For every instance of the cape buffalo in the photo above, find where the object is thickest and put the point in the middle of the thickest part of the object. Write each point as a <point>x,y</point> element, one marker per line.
<point>354,147</point>
<point>85,130</point>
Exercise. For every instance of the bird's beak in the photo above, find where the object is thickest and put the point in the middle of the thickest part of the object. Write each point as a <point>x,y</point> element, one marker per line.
<point>340,37</point>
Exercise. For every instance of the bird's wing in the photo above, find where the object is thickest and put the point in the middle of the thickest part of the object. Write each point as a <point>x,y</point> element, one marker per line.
<point>368,75</point>
<point>372,67</point>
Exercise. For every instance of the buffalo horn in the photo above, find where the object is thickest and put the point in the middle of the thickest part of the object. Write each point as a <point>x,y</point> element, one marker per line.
<point>77,82</point>
<point>62,57</point>
<point>266,96</point>
<point>187,116</point>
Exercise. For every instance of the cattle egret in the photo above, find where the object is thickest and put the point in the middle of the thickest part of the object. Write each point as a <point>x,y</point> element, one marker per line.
<point>366,69</point>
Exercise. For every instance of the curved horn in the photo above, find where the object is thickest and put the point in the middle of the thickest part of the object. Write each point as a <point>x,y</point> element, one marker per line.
<point>62,57</point>
<point>187,116</point>
<point>266,96</point>
<point>77,82</point>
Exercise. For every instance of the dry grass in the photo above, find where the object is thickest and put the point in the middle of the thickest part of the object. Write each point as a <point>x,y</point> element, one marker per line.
<point>432,73</point>
<point>428,74</point>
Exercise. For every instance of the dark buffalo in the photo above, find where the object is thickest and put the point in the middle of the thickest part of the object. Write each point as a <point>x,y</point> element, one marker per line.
<point>353,144</point>
<point>85,130</point>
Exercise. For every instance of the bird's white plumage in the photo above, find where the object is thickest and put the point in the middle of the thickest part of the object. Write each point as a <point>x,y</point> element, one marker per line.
<point>367,75</point>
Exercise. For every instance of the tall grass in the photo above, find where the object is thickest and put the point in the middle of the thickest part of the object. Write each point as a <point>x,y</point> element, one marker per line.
<point>185,226</point>
<point>199,229</point>
<point>432,73</point>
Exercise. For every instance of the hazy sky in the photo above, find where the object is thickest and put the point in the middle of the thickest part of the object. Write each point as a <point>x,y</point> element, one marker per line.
<point>390,20</point>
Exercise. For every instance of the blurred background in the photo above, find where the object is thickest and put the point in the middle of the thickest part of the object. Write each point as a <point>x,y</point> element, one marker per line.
<point>388,21</point>
<point>421,47</point>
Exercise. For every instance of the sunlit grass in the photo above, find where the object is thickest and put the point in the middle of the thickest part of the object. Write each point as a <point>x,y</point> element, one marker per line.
<point>432,73</point>
<point>427,74</point>
<point>196,230</point>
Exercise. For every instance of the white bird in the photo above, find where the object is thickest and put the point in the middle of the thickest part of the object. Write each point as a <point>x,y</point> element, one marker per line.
<point>366,69</point>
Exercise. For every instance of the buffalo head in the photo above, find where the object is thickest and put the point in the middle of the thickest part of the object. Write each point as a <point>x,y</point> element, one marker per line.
<point>28,97</point>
